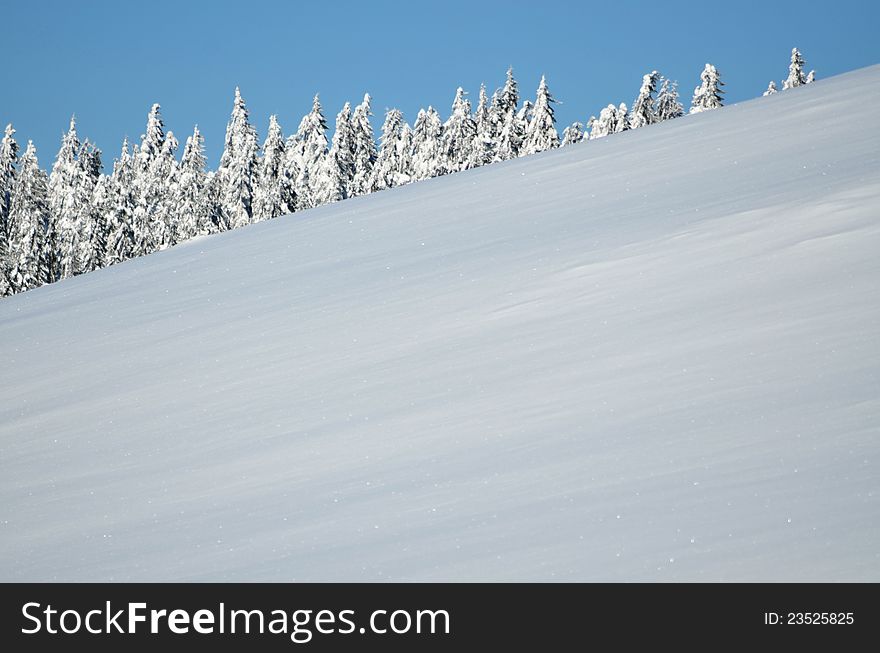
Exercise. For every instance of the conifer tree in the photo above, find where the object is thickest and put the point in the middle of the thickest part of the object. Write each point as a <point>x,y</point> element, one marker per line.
<point>64,181</point>
<point>707,95</point>
<point>644,112</point>
<point>340,158</point>
<point>236,175</point>
<point>795,71</point>
<point>390,164</point>
<point>275,195</point>
<point>459,131</point>
<point>28,223</point>
<point>811,77</point>
<point>484,146</point>
<point>121,205</point>
<point>149,189</point>
<point>508,129</point>
<point>608,122</point>
<point>622,124</point>
<point>93,238</point>
<point>8,158</point>
<point>572,134</point>
<point>523,119</point>
<point>196,213</point>
<point>542,134</point>
<point>87,233</point>
<point>771,89</point>
<point>668,105</point>
<point>404,155</point>
<point>427,131</point>
<point>364,148</point>
<point>311,149</point>
<point>164,175</point>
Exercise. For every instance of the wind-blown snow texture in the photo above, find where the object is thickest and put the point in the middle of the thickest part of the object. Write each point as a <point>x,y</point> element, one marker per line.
<point>654,356</point>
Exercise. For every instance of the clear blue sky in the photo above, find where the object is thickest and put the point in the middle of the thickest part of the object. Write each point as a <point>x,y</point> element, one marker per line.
<point>109,61</point>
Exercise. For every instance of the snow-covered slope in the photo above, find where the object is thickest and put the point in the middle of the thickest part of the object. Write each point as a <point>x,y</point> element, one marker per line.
<point>650,357</point>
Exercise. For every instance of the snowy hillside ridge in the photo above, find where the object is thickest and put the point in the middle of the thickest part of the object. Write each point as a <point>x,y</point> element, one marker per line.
<point>554,368</point>
<point>78,219</point>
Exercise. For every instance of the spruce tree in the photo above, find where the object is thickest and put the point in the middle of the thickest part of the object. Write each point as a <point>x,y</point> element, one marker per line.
<point>388,171</point>
<point>311,149</point>
<point>89,223</point>
<point>93,250</point>
<point>8,158</point>
<point>623,120</point>
<point>121,206</point>
<point>196,211</point>
<point>427,131</point>
<point>668,105</point>
<point>364,148</point>
<point>542,134</point>
<point>164,174</point>
<point>572,134</point>
<point>64,181</point>
<point>149,190</point>
<point>484,146</point>
<point>811,77</point>
<point>707,95</point>
<point>795,71</point>
<point>28,223</point>
<point>644,112</point>
<point>771,89</point>
<point>610,121</point>
<point>340,158</point>
<point>274,190</point>
<point>459,131</point>
<point>523,120</point>
<point>236,175</point>
<point>508,128</point>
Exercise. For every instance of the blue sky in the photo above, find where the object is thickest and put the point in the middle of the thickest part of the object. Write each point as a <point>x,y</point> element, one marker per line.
<point>107,62</point>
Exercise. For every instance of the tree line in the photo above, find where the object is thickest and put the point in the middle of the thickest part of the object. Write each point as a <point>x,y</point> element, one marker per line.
<point>77,219</point>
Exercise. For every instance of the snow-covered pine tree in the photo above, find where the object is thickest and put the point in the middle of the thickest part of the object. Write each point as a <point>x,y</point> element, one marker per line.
<point>572,134</point>
<point>236,175</point>
<point>811,77</point>
<point>164,175</point>
<point>622,124</point>
<point>771,89</point>
<point>542,134</point>
<point>459,131</point>
<point>427,132</point>
<point>122,203</point>
<point>404,155</point>
<point>388,171</point>
<point>523,119</point>
<point>93,249</point>
<point>340,158</point>
<point>89,225</point>
<point>644,112</point>
<point>484,146</point>
<point>311,143</point>
<point>795,71</point>
<point>149,191</point>
<point>509,131</point>
<point>274,190</point>
<point>668,105</point>
<point>707,95</point>
<point>28,222</point>
<point>196,213</point>
<point>603,125</point>
<point>364,154</point>
<point>8,159</point>
<point>63,183</point>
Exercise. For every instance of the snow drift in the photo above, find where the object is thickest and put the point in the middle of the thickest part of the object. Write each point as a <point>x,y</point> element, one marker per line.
<point>654,356</point>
